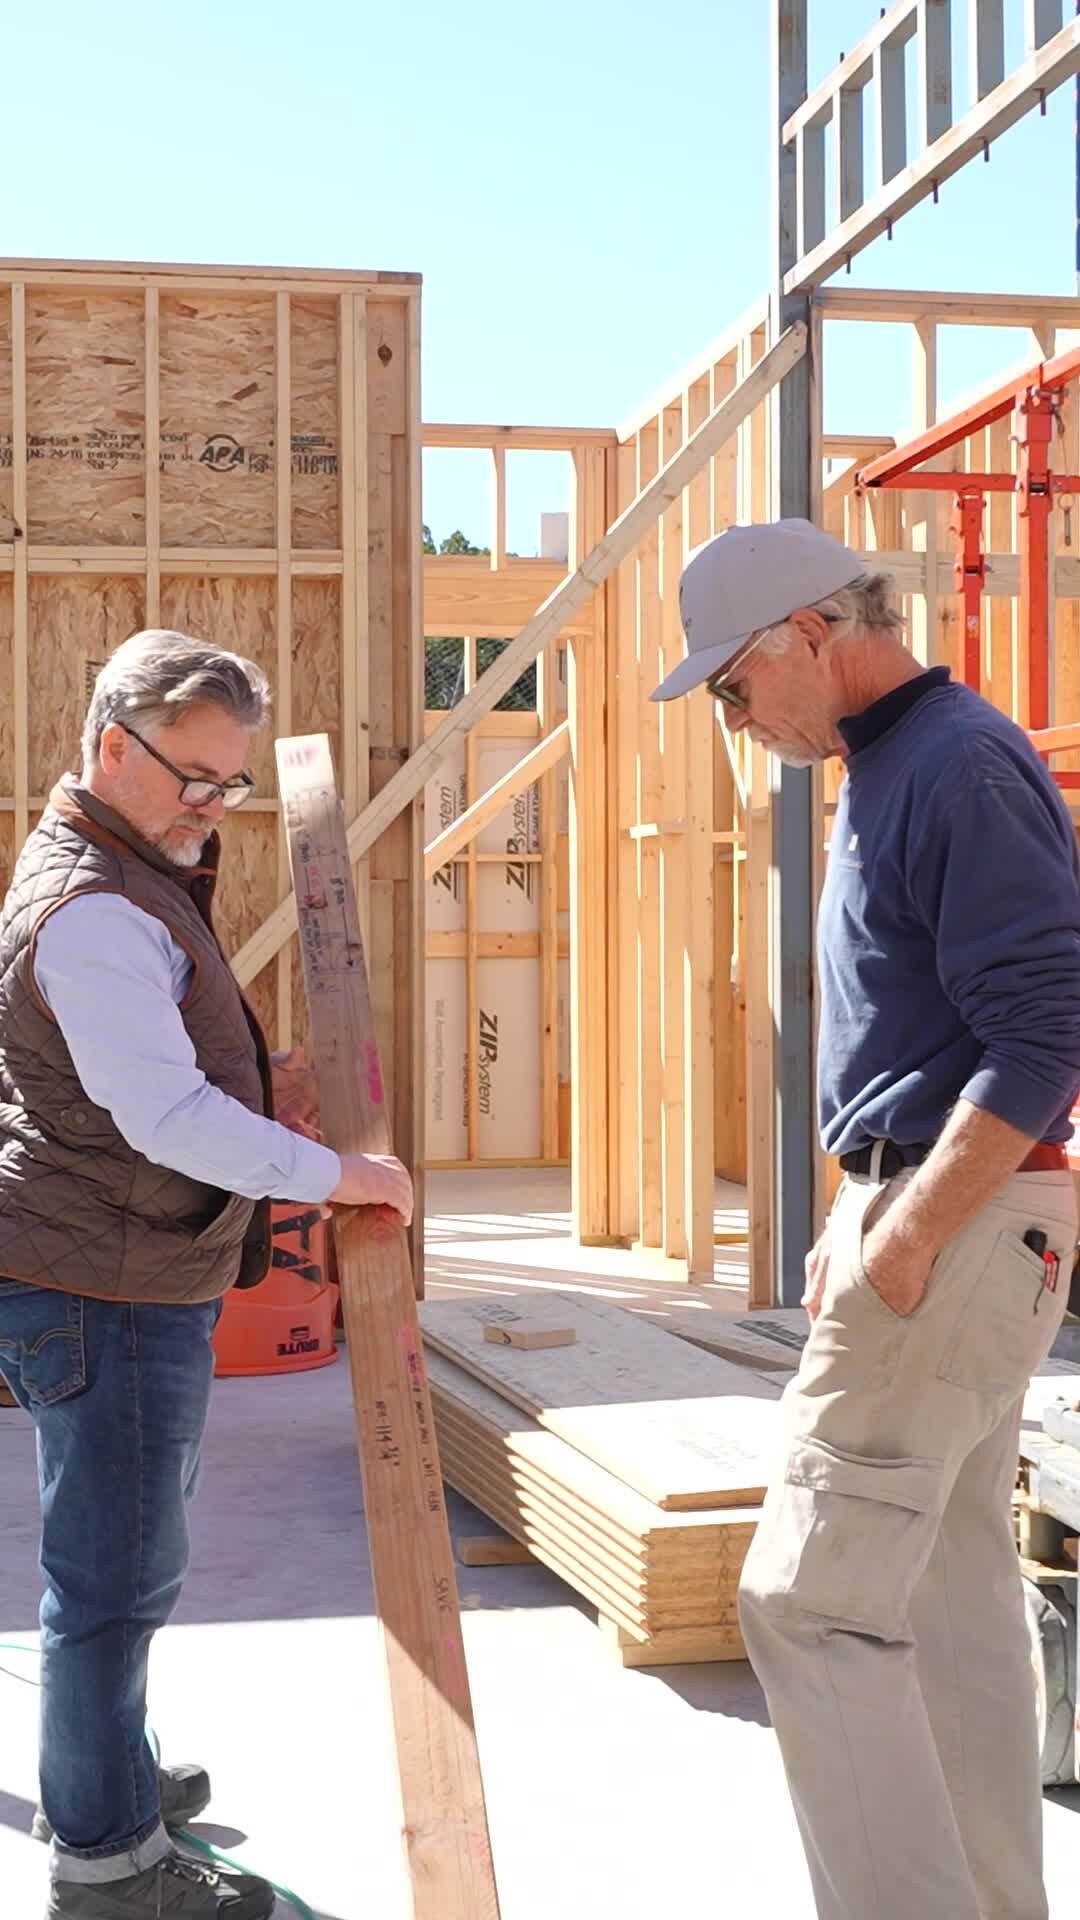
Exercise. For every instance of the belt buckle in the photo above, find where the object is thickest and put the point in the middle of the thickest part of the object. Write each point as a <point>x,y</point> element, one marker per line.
<point>878,1151</point>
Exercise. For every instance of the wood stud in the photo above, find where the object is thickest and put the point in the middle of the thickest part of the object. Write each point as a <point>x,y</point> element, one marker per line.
<point>472,933</point>
<point>152,455</point>
<point>586,679</point>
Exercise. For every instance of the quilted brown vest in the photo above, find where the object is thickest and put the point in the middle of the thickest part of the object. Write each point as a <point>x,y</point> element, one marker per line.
<point>79,1208</point>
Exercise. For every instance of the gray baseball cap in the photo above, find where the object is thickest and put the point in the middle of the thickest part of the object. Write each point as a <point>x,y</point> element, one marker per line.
<point>748,578</point>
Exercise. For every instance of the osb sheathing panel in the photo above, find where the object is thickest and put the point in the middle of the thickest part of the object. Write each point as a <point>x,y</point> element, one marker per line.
<point>7,848</point>
<point>7,731</point>
<point>74,623</point>
<point>261,996</point>
<point>316,708</point>
<point>217,390</point>
<point>217,420</point>
<point>316,660</point>
<point>314,342</point>
<point>238,615</point>
<point>85,416</point>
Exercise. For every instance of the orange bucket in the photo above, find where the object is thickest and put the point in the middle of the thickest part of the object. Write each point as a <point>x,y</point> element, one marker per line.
<point>286,1325</point>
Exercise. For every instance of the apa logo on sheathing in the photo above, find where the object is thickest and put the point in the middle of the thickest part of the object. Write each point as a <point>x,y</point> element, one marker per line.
<point>222,452</point>
<point>310,453</point>
<point>487,1057</point>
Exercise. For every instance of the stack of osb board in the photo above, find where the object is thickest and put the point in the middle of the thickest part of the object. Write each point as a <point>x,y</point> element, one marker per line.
<point>630,1463</point>
<point>234,453</point>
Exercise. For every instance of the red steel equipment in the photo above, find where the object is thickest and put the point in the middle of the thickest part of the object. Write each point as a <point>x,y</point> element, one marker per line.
<point>1034,400</point>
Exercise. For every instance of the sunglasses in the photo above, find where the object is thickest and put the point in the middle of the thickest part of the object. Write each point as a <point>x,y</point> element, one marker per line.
<point>199,793</point>
<point>723,689</point>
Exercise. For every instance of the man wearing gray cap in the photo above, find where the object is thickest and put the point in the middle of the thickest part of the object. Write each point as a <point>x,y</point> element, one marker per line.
<point>881,1600</point>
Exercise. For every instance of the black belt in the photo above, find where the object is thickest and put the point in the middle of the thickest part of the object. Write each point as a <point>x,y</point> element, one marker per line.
<point>1045,1157</point>
<point>893,1158</point>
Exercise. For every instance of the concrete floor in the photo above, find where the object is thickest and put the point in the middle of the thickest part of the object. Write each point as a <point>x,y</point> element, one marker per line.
<point>632,1793</point>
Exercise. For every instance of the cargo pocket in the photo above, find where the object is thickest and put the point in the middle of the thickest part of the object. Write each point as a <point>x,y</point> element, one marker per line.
<point>1006,1322</point>
<point>851,1535</point>
<point>42,1341</point>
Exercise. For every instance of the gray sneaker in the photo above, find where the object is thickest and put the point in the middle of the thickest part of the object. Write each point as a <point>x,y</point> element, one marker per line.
<point>176,1889</point>
<point>185,1793</point>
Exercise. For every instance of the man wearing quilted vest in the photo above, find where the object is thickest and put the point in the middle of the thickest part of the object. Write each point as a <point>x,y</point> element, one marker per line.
<point>138,1158</point>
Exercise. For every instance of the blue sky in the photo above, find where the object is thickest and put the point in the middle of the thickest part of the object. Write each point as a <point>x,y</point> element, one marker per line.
<point>584,188</point>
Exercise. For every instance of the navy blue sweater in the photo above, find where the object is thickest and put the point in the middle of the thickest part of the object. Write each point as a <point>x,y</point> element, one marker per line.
<point>949,927</point>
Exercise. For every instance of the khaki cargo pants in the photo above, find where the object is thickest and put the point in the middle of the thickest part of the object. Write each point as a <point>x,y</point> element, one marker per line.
<point>881,1602</point>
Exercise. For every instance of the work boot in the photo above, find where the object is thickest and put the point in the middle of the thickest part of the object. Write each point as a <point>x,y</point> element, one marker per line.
<point>185,1793</point>
<point>176,1889</point>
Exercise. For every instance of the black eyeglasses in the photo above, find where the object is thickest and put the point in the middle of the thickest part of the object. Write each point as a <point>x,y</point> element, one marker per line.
<point>199,793</point>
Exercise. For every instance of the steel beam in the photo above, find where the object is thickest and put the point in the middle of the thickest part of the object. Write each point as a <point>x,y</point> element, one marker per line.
<point>795,433</point>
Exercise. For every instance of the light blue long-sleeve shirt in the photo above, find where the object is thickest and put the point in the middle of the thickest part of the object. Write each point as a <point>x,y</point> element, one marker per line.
<point>113,978</point>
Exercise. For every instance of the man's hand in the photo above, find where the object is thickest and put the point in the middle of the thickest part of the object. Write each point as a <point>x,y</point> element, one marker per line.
<point>817,1271</point>
<point>897,1266</point>
<point>374,1180</point>
<point>296,1093</point>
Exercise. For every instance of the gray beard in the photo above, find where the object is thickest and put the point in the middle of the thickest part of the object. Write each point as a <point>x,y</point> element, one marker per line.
<point>189,854</point>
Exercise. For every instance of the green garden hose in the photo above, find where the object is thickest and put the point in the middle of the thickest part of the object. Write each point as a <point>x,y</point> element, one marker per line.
<point>189,1839</point>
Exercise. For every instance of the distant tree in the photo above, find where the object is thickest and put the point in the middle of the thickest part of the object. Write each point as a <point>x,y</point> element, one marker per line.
<point>458,543</point>
<point>444,680</point>
<point>428,542</point>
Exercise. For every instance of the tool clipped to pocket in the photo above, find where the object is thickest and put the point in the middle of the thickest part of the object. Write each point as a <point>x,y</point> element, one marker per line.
<point>1036,1240</point>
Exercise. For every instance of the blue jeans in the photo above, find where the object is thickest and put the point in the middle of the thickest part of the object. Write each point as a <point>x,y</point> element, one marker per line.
<point>119,1396</point>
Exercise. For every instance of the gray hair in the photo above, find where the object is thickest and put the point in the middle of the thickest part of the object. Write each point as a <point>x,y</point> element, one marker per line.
<point>863,607</point>
<point>157,676</point>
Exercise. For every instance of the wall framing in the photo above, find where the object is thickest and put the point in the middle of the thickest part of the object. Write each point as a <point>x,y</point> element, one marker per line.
<point>680,1084</point>
<point>234,452</point>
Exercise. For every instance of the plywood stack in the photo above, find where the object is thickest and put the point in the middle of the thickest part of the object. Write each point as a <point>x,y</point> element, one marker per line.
<point>236,453</point>
<point>630,1463</point>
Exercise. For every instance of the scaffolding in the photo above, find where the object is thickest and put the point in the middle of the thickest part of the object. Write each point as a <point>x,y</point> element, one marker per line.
<point>1034,400</point>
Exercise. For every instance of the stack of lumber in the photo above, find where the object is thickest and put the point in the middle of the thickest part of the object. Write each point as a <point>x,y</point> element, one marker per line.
<point>631,1464</point>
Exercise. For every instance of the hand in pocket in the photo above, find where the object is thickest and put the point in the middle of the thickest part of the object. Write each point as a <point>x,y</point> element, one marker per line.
<point>898,1271</point>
